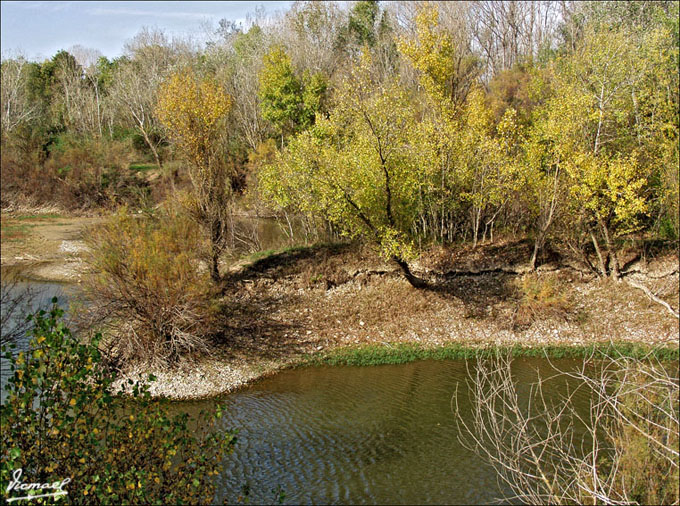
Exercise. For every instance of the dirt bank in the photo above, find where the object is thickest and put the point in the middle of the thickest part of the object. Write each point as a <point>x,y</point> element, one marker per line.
<point>282,308</point>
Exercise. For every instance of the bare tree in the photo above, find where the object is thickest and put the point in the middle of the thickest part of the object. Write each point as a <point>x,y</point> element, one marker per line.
<point>150,57</point>
<point>134,89</point>
<point>87,58</point>
<point>625,450</point>
<point>506,32</point>
<point>16,107</point>
<point>309,31</point>
<point>237,59</point>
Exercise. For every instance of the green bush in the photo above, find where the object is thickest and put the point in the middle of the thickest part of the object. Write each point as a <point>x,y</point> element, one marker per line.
<point>60,421</point>
<point>667,229</point>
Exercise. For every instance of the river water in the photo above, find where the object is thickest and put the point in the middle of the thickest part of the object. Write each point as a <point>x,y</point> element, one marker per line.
<point>363,435</point>
<point>36,295</point>
<point>360,435</point>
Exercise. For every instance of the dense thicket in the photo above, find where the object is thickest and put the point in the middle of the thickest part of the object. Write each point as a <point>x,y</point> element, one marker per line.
<point>404,123</point>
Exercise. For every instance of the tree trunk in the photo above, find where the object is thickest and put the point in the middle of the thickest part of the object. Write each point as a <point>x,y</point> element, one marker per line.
<point>214,266</point>
<point>600,259</point>
<point>534,256</point>
<point>415,281</point>
<point>216,247</point>
<point>153,149</point>
<point>475,231</point>
<point>538,245</point>
<point>614,261</point>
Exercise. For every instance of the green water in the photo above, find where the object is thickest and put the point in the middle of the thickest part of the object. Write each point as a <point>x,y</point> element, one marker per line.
<point>362,435</point>
<point>356,435</point>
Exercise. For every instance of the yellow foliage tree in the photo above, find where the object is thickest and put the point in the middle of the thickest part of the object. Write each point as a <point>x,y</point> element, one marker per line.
<point>486,160</point>
<point>605,111</point>
<point>193,110</point>
<point>357,168</point>
<point>446,71</point>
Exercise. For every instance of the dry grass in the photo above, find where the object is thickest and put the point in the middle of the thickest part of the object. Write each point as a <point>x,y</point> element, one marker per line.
<point>541,297</point>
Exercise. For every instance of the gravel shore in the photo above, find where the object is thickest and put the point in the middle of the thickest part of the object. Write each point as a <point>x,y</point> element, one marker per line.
<point>286,309</point>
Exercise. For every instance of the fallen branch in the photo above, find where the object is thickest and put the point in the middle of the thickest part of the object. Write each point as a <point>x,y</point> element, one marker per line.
<point>653,297</point>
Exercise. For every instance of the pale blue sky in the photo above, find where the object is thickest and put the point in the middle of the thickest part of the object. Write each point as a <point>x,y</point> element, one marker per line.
<point>39,29</point>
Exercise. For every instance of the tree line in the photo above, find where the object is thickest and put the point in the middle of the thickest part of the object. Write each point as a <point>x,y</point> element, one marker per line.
<point>403,123</point>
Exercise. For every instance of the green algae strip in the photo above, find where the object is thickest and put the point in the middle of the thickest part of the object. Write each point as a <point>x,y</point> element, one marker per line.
<point>402,353</point>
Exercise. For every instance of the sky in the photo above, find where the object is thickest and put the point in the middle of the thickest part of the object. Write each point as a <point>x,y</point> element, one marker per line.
<point>38,29</point>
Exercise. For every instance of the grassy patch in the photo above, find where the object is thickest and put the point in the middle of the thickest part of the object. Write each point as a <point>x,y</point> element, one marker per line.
<point>540,298</point>
<point>46,216</point>
<point>141,167</point>
<point>403,353</point>
<point>15,232</point>
<point>261,254</point>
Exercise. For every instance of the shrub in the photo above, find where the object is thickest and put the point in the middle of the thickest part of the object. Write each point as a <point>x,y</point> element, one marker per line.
<point>149,288</point>
<point>60,421</point>
<point>91,172</point>
<point>541,297</point>
<point>71,171</point>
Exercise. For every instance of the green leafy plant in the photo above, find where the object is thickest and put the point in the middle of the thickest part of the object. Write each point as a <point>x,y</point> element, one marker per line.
<point>60,420</point>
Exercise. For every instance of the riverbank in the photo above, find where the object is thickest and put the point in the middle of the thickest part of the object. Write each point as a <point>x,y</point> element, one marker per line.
<point>340,304</point>
<point>45,246</point>
<point>343,304</point>
<point>211,378</point>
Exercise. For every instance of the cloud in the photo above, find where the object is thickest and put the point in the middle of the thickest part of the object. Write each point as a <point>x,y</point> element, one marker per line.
<point>138,12</point>
<point>43,6</point>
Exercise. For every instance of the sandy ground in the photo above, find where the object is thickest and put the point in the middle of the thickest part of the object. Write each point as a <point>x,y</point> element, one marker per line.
<point>45,247</point>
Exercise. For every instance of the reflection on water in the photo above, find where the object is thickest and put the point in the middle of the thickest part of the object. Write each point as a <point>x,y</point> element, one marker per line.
<point>252,234</point>
<point>384,434</point>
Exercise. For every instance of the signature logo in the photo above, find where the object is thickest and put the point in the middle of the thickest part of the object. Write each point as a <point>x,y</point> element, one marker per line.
<point>16,484</point>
